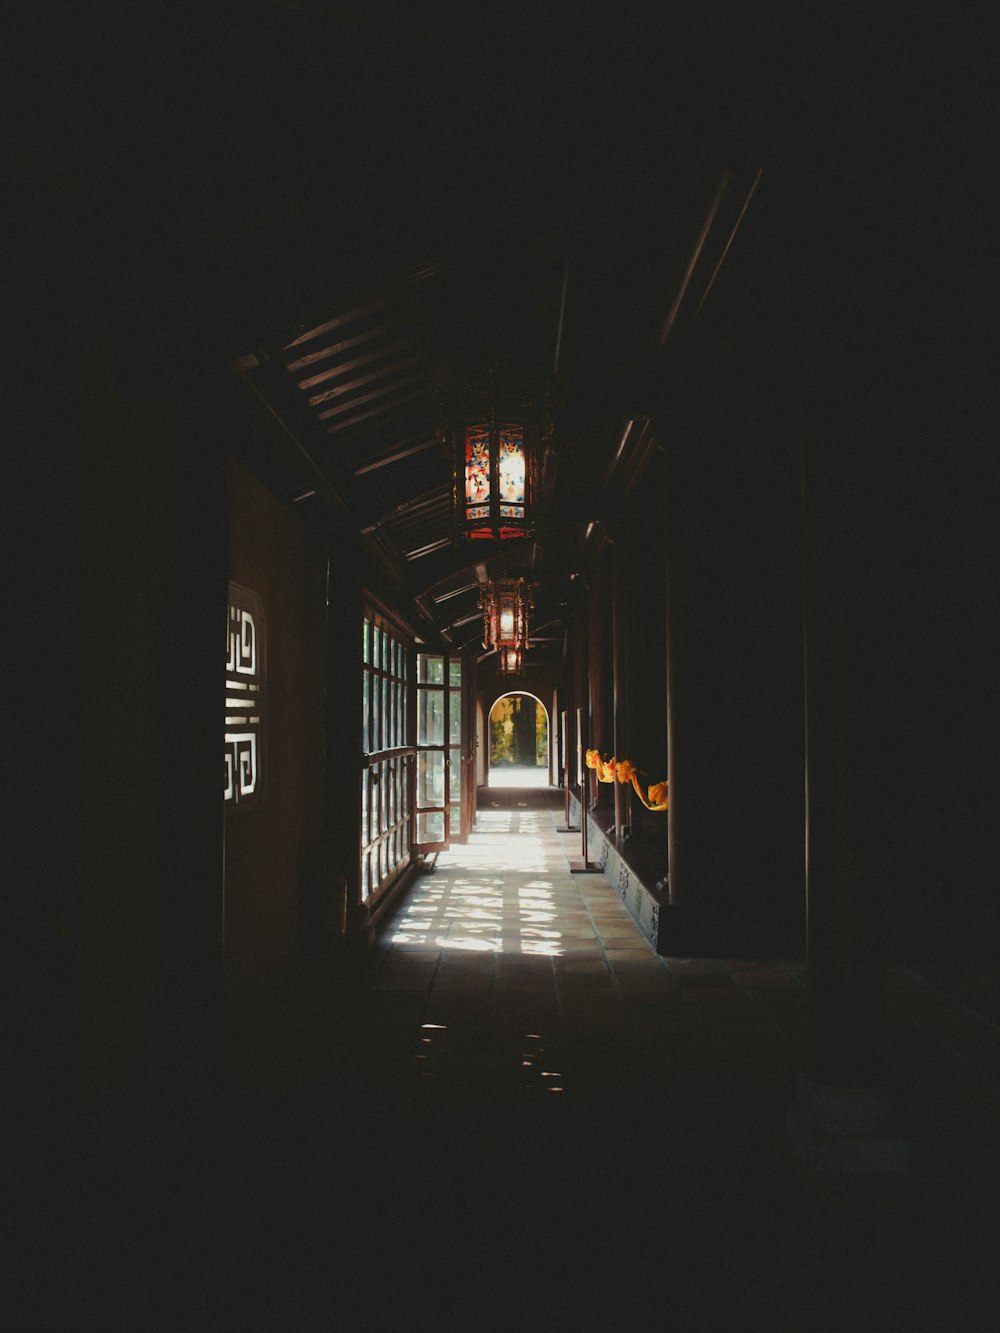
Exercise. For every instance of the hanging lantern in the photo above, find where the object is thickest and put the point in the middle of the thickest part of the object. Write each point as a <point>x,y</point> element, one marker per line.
<point>510,661</point>
<point>496,437</point>
<point>505,604</point>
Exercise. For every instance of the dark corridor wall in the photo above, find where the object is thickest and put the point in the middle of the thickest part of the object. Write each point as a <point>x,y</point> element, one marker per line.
<point>273,854</point>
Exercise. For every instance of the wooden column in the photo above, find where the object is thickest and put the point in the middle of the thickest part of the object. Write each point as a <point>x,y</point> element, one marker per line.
<point>733,677</point>
<point>156,554</point>
<point>344,757</point>
<point>620,632</point>
<point>581,693</point>
<point>843,1105</point>
<point>601,721</point>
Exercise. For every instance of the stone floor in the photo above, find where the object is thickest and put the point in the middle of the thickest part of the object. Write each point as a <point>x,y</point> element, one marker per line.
<point>512,1113</point>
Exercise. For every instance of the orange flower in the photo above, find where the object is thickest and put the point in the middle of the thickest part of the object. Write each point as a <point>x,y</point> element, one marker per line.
<point>593,758</point>
<point>625,770</point>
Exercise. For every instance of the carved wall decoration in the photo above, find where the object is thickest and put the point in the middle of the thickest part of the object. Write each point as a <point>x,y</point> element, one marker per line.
<point>245,740</point>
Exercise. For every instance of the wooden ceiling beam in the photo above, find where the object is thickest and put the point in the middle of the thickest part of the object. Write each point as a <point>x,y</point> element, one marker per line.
<point>328,395</point>
<point>336,349</point>
<point>338,322</point>
<point>355,363</point>
<point>334,427</point>
<point>421,551</point>
<point>396,456</point>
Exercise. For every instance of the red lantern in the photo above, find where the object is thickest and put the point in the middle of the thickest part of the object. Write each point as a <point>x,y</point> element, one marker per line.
<point>499,429</point>
<point>505,604</point>
<point>495,476</point>
<point>510,661</point>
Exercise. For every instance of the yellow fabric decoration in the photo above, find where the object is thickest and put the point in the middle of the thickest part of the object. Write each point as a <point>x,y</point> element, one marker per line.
<point>655,798</point>
<point>604,768</point>
<point>657,795</point>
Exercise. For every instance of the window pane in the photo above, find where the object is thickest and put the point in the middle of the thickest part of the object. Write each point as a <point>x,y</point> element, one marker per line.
<point>455,717</point>
<point>455,774</point>
<point>365,635</point>
<point>456,821</point>
<point>365,686</point>
<point>430,670</point>
<point>430,717</point>
<point>455,671</point>
<point>430,827</point>
<point>430,778</point>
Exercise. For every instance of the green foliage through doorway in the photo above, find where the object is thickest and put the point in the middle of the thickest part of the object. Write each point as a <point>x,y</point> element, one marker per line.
<point>519,732</point>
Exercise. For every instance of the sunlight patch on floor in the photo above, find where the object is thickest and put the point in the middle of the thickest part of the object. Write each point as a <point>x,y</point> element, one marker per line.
<point>503,891</point>
<point>518,777</point>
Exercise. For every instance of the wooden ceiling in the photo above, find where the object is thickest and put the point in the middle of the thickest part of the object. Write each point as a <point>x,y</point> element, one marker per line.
<point>360,391</point>
<point>355,210</point>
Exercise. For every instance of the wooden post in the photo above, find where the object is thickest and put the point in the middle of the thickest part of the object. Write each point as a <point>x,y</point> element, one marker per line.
<point>585,868</point>
<point>567,827</point>
<point>843,1109</point>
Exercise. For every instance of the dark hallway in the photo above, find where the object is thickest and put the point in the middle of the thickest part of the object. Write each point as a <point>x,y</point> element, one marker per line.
<point>639,363</point>
<point>511,1112</point>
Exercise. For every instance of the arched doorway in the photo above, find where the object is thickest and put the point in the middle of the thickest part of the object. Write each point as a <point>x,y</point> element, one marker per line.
<point>518,741</point>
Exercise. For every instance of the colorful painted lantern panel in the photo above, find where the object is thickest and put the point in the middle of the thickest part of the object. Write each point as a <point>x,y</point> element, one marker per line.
<point>494,482</point>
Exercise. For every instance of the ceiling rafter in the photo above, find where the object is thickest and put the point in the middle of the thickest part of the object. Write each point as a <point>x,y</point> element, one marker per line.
<point>340,390</point>
<point>335,349</point>
<point>382,409</point>
<point>399,452</point>
<point>355,363</point>
<point>339,321</point>
<point>403,383</point>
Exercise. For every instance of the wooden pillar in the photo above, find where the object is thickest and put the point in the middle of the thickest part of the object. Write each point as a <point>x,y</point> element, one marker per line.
<point>733,670</point>
<point>344,754</point>
<point>555,740</point>
<point>524,729</point>
<point>156,555</point>
<point>581,694</point>
<point>843,1105</point>
<point>601,720</point>
<point>620,632</point>
<point>694,641</point>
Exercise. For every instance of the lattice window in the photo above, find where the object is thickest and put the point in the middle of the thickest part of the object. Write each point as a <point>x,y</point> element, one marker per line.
<point>245,700</point>
<point>386,777</point>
